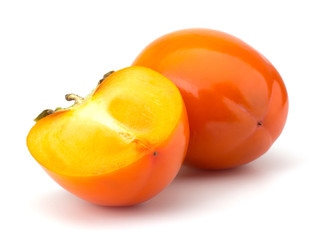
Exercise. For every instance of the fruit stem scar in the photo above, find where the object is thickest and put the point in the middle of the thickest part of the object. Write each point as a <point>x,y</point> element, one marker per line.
<point>76,98</point>
<point>155,153</point>
<point>259,123</point>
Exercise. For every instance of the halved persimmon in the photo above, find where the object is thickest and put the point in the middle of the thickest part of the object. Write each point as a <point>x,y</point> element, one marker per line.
<point>119,146</point>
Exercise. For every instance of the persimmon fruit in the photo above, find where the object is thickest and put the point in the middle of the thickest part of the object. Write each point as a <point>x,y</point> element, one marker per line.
<point>236,101</point>
<point>119,146</point>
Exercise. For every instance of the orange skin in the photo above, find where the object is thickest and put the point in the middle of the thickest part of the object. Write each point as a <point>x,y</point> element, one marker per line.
<point>137,182</point>
<point>236,101</point>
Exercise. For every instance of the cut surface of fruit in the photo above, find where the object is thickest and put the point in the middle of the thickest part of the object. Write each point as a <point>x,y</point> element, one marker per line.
<point>129,114</point>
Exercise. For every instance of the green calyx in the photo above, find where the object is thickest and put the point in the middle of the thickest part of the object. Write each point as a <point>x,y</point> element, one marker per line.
<point>70,97</point>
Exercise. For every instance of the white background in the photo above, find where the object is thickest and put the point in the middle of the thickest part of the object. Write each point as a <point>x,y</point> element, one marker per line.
<point>50,48</point>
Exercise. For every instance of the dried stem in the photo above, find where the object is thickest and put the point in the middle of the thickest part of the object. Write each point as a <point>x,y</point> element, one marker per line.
<point>75,97</point>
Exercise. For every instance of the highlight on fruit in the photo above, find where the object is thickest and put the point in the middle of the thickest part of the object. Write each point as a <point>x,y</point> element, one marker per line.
<point>119,146</point>
<point>196,96</point>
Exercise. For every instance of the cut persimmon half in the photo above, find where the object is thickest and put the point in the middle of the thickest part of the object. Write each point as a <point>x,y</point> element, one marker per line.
<point>121,145</point>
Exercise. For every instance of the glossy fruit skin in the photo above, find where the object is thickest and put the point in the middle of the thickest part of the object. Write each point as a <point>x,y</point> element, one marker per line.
<point>137,182</point>
<point>236,100</point>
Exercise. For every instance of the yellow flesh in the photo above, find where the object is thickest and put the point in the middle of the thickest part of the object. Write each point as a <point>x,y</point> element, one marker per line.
<point>132,112</point>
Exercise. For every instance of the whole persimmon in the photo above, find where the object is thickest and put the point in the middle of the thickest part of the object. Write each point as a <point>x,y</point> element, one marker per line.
<point>236,101</point>
<point>119,146</point>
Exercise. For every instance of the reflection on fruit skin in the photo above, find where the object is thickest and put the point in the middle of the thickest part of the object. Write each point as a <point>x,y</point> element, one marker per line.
<point>236,101</point>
